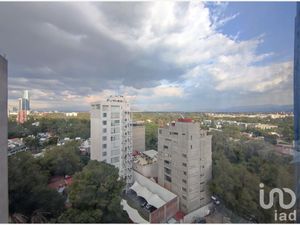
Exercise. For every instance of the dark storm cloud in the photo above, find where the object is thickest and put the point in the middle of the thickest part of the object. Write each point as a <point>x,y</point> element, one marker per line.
<point>56,37</point>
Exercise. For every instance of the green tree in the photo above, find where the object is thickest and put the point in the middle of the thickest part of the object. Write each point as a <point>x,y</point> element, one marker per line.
<point>95,196</point>
<point>28,191</point>
<point>62,160</point>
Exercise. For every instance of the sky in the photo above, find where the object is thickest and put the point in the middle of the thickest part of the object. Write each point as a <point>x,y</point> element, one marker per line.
<point>164,56</point>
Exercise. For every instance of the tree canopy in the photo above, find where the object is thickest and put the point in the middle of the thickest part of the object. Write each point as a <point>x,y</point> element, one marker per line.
<point>95,196</point>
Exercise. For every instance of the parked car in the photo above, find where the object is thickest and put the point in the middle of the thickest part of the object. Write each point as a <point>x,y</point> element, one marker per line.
<point>143,204</point>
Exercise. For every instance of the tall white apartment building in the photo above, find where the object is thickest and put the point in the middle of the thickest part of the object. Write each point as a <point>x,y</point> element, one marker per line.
<point>185,163</point>
<point>111,135</point>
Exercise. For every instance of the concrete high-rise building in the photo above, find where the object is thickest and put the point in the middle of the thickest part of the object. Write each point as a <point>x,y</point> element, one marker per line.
<point>138,136</point>
<point>297,106</point>
<point>111,134</point>
<point>185,163</point>
<point>3,142</point>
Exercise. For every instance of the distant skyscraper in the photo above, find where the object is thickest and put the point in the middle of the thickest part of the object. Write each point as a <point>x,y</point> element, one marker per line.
<point>111,134</point>
<point>24,107</point>
<point>185,163</point>
<point>297,104</point>
<point>3,142</point>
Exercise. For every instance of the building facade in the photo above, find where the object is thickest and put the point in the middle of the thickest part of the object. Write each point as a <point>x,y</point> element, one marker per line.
<point>3,142</point>
<point>185,163</point>
<point>138,136</point>
<point>111,135</point>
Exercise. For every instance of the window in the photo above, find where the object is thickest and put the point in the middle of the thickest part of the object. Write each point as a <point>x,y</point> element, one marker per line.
<point>104,114</point>
<point>184,173</point>
<point>167,170</point>
<point>167,178</point>
<point>104,138</point>
<point>115,138</point>
<point>104,130</point>
<point>191,146</point>
<point>184,189</point>
<point>105,107</point>
<point>104,146</point>
<point>166,147</point>
<point>115,115</point>
<point>183,133</point>
<point>191,137</point>
<point>184,155</point>
<point>98,106</point>
<point>184,181</point>
<point>115,123</point>
<point>104,122</point>
<point>167,162</point>
<point>114,159</point>
<point>115,152</point>
<point>104,153</point>
<point>202,190</point>
<point>184,164</point>
<point>160,131</point>
<point>115,108</point>
<point>184,197</point>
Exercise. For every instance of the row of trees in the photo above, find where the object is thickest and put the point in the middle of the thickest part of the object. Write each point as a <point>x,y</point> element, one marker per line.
<point>61,127</point>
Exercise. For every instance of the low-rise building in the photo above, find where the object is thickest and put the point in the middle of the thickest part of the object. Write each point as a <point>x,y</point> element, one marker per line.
<point>146,163</point>
<point>148,202</point>
<point>71,114</point>
<point>16,145</point>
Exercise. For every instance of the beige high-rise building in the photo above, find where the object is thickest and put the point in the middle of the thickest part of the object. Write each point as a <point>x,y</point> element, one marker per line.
<point>3,142</point>
<point>185,163</point>
<point>111,134</point>
<point>138,136</point>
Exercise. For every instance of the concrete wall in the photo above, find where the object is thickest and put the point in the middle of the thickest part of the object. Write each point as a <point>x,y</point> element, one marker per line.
<point>166,212</point>
<point>150,170</point>
<point>3,142</point>
<point>138,138</point>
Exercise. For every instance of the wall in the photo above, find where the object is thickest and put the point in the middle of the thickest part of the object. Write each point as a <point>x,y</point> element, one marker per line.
<point>3,142</point>
<point>138,138</point>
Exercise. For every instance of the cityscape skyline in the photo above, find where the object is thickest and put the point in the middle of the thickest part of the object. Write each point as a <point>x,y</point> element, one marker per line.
<point>197,59</point>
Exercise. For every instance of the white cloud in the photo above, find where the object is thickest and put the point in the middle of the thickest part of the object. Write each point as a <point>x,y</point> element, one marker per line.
<point>179,35</point>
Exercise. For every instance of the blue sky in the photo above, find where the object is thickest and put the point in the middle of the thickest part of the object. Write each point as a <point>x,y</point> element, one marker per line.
<point>273,19</point>
<point>165,56</point>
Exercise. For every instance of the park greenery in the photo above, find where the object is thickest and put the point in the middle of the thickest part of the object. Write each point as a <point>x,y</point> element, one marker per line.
<point>239,167</point>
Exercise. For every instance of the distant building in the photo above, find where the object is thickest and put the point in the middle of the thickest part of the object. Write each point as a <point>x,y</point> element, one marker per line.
<point>111,134</point>
<point>16,145</point>
<point>3,142</point>
<point>146,163</point>
<point>138,136</point>
<point>71,114</point>
<point>185,163</point>
<point>23,107</point>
